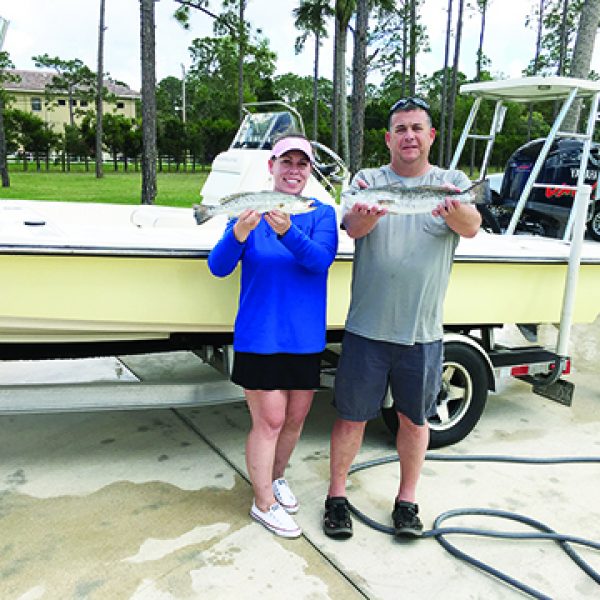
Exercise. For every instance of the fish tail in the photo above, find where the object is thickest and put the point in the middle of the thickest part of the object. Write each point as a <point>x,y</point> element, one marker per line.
<point>202,213</point>
<point>481,192</point>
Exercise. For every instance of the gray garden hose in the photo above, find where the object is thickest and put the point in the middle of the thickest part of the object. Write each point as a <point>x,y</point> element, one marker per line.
<point>544,532</point>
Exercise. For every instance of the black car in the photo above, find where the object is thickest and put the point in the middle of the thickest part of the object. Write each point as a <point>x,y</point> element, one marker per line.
<point>547,209</point>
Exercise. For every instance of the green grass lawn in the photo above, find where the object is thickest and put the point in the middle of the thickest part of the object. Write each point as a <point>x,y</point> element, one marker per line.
<point>174,189</point>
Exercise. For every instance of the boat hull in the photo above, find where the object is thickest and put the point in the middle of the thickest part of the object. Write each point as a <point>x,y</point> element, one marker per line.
<point>141,273</point>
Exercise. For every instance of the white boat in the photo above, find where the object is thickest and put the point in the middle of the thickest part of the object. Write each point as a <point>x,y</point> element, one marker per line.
<point>99,279</point>
<point>75,272</point>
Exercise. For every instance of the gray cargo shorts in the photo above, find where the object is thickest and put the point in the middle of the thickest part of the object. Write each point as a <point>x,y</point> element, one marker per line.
<point>366,368</point>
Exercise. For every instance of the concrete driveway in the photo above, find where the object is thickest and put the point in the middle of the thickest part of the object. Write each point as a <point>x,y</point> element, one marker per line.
<point>153,504</point>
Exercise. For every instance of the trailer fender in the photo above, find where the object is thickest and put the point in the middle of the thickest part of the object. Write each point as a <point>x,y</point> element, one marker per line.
<point>464,339</point>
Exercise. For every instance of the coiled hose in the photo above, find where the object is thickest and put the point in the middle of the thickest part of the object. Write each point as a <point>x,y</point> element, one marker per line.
<point>544,532</point>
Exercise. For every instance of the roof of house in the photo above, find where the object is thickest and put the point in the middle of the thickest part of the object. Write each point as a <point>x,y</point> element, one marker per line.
<point>36,81</point>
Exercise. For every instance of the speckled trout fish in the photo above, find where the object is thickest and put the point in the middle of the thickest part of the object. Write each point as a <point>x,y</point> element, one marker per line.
<point>401,200</point>
<point>262,202</point>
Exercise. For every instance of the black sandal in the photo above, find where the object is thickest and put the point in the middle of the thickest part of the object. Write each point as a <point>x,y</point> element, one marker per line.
<point>336,520</point>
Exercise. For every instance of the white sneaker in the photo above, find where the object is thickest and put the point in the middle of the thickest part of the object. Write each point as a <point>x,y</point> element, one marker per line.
<point>276,520</point>
<point>284,495</point>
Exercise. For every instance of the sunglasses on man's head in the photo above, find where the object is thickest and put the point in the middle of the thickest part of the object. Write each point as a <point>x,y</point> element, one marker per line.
<point>412,101</point>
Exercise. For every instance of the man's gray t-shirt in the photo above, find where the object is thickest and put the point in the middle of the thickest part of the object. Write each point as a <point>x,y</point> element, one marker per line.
<point>402,267</point>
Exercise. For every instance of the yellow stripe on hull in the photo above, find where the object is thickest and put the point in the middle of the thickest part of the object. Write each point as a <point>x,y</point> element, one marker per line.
<point>504,292</point>
<point>68,297</point>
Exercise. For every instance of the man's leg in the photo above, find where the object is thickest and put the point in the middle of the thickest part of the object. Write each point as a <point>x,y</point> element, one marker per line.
<point>346,438</point>
<point>411,441</point>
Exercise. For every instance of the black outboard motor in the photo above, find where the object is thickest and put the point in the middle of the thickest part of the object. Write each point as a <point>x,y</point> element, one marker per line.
<point>547,209</point>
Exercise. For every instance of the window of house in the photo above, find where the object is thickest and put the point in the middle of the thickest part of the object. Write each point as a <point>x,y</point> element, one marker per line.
<point>62,102</point>
<point>83,103</point>
<point>36,104</point>
<point>120,104</point>
<point>73,102</point>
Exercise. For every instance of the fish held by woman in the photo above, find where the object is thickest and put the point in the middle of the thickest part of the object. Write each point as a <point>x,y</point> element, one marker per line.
<point>235,204</point>
<point>398,199</point>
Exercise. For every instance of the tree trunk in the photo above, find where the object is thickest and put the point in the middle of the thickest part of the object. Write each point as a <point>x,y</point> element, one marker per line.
<point>413,47</point>
<point>563,39</point>
<point>536,60</point>
<point>316,89</point>
<point>344,10</point>
<point>483,8</point>
<point>148,102</point>
<point>405,13</point>
<point>337,84</point>
<point>443,119</point>
<point>359,77</point>
<point>343,98</point>
<point>582,55</point>
<point>241,56</point>
<point>3,164</point>
<point>453,87</point>
<point>99,94</point>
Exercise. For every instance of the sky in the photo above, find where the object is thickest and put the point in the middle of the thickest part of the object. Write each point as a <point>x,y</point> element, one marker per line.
<point>69,29</point>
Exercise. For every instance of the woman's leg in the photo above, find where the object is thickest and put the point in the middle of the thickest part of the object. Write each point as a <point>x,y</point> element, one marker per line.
<point>298,405</point>
<point>268,412</point>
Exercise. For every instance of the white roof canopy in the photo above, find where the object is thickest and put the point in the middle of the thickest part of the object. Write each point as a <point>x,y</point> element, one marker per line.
<point>531,89</point>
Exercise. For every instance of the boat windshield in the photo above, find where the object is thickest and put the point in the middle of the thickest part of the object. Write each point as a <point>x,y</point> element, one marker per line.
<point>258,130</point>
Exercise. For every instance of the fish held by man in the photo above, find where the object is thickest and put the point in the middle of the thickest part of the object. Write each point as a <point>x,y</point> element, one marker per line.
<point>265,201</point>
<point>398,199</point>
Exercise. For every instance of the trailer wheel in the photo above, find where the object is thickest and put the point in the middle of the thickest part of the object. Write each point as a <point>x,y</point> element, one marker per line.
<point>461,399</point>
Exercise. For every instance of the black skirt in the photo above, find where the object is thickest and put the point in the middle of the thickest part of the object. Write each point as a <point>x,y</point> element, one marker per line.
<point>276,371</point>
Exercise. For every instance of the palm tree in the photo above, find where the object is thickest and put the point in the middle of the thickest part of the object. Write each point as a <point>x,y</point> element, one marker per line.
<point>454,83</point>
<point>310,19</point>
<point>359,78</point>
<point>442,136</point>
<point>536,60</point>
<point>344,9</point>
<point>482,6</point>
<point>147,21</point>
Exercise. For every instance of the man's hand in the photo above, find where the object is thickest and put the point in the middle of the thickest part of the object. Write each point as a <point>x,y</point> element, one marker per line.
<point>362,218</point>
<point>279,221</point>
<point>246,222</point>
<point>366,210</point>
<point>462,218</point>
<point>445,208</point>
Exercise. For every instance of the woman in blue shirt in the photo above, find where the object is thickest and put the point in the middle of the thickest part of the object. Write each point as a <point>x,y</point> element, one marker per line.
<point>280,326</point>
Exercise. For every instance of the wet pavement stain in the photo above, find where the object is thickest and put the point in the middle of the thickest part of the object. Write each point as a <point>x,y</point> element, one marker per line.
<point>81,546</point>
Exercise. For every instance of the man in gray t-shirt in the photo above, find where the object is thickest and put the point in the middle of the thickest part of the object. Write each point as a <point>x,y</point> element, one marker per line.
<point>394,326</point>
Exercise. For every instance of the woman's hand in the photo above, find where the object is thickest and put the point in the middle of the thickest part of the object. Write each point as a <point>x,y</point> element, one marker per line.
<point>246,222</point>
<point>279,221</point>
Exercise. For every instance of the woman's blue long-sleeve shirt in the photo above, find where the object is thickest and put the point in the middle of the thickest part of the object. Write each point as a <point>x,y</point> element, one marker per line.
<point>283,294</point>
